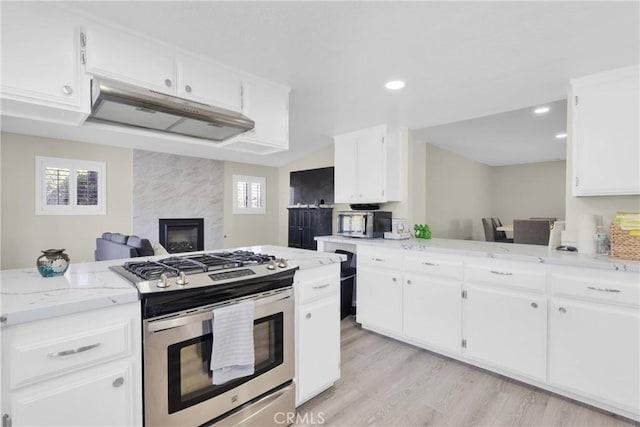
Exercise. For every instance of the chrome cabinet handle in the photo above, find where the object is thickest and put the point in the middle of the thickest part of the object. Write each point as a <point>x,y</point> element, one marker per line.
<point>394,279</point>
<point>72,351</point>
<point>67,90</point>
<point>562,310</point>
<point>118,382</point>
<point>408,282</point>
<point>308,316</point>
<point>168,82</point>
<point>501,273</point>
<point>326,285</point>
<point>187,89</point>
<point>534,305</point>
<point>593,288</point>
<point>429,263</point>
<point>377,259</point>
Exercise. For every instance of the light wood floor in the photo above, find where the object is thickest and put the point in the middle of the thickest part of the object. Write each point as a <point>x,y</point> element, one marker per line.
<point>388,383</point>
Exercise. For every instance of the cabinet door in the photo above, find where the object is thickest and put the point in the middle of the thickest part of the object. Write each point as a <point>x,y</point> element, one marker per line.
<point>294,229</point>
<point>210,84</point>
<point>318,347</point>
<point>594,351</point>
<point>432,311</point>
<point>506,329</point>
<point>121,56</point>
<point>40,54</point>
<point>307,229</point>
<point>605,133</point>
<point>101,396</point>
<point>379,299</point>
<point>371,165</point>
<point>345,175</point>
<point>268,106</point>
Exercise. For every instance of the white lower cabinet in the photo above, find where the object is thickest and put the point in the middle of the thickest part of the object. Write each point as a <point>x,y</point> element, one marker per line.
<point>317,359</point>
<point>379,299</point>
<point>506,329</point>
<point>317,293</point>
<point>594,350</point>
<point>431,311</point>
<point>82,369</point>
<point>100,396</point>
<point>573,331</point>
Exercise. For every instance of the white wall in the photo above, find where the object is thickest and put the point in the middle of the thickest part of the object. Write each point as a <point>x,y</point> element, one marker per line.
<point>528,190</point>
<point>251,229</point>
<point>25,234</point>
<point>458,194</point>
<point>170,186</point>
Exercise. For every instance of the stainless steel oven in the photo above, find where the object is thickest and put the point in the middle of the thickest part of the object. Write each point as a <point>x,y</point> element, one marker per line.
<point>177,379</point>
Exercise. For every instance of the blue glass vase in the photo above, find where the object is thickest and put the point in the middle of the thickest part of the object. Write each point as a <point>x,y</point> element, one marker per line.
<point>52,262</point>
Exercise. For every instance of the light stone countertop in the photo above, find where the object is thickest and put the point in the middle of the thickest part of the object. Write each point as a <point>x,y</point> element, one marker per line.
<point>26,296</point>
<point>506,251</point>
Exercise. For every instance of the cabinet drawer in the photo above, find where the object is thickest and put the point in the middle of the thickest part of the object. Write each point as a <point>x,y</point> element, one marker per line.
<point>35,359</point>
<point>317,283</point>
<point>380,257</point>
<point>616,287</point>
<point>507,274</point>
<point>433,265</point>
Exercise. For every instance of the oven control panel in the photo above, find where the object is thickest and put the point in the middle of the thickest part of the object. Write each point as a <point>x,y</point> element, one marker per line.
<point>226,275</point>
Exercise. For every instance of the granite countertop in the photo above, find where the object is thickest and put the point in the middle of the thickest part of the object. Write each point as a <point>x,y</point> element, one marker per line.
<point>26,296</point>
<point>507,251</point>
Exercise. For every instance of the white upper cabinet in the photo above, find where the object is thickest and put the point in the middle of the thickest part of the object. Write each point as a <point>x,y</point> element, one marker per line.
<point>121,56</point>
<point>346,175</point>
<point>41,64</point>
<point>605,137</point>
<point>267,104</point>
<point>204,82</point>
<point>367,166</point>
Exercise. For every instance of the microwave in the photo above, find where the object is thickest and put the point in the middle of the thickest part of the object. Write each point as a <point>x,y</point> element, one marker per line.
<point>363,224</point>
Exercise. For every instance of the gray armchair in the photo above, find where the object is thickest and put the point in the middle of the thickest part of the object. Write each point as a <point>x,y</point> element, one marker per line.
<point>531,232</point>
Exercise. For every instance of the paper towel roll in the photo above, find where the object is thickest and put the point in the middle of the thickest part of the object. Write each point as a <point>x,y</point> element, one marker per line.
<point>586,233</point>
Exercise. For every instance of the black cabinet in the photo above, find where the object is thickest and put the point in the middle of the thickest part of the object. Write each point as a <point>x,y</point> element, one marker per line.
<point>307,223</point>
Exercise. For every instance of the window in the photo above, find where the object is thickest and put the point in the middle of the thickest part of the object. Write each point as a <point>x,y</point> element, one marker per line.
<point>70,187</point>
<point>249,194</point>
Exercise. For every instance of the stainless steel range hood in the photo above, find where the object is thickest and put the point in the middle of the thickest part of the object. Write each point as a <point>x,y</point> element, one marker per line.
<point>120,103</point>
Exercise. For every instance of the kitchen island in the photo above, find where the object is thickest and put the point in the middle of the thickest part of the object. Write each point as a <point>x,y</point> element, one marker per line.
<point>565,322</point>
<point>72,345</point>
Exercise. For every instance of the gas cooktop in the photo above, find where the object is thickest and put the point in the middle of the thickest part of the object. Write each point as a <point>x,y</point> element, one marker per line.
<point>200,270</point>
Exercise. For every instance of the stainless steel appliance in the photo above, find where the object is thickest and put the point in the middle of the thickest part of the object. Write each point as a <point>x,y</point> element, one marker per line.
<point>120,103</point>
<point>178,295</point>
<point>363,224</point>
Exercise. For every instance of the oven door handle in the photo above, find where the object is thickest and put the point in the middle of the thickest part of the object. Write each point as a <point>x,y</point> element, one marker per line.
<point>206,313</point>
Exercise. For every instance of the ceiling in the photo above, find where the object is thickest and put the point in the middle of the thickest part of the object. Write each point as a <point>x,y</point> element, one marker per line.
<point>514,137</point>
<point>460,59</point>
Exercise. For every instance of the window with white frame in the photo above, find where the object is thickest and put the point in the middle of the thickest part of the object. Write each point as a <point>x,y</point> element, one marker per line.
<point>249,194</point>
<point>70,187</point>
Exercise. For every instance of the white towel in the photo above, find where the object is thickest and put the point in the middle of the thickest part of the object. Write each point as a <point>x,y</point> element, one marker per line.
<point>232,351</point>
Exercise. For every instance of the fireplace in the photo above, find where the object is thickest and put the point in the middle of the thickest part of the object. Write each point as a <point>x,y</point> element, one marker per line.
<point>182,234</point>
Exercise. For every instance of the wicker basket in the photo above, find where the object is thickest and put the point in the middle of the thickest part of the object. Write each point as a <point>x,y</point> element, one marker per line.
<point>623,245</point>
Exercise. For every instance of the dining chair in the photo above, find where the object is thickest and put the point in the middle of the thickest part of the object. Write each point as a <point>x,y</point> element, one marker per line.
<point>531,232</point>
<point>493,235</point>
<point>489,230</point>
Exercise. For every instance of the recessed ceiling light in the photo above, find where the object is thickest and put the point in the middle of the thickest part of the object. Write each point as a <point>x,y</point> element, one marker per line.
<point>394,84</point>
<point>541,110</point>
<point>561,135</point>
